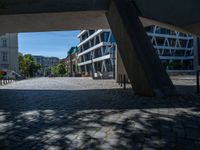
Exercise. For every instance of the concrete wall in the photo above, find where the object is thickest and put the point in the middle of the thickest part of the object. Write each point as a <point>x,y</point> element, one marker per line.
<point>196,53</point>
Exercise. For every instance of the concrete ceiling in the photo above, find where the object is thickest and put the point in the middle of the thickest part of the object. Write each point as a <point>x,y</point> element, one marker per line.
<point>184,14</point>
<point>49,15</point>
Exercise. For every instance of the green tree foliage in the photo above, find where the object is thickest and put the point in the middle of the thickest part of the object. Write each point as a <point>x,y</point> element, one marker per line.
<point>59,70</point>
<point>54,71</point>
<point>47,72</point>
<point>27,65</point>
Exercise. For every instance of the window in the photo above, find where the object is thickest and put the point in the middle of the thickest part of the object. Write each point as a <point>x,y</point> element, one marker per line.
<point>112,39</point>
<point>4,43</point>
<point>4,56</point>
<point>91,32</point>
<point>86,46</point>
<point>97,40</point>
<point>105,36</point>
<point>84,36</point>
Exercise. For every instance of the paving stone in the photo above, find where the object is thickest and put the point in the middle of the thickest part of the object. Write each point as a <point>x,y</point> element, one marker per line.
<point>80,113</point>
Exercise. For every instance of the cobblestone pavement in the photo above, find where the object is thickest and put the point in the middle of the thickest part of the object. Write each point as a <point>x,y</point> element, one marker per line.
<point>64,113</point>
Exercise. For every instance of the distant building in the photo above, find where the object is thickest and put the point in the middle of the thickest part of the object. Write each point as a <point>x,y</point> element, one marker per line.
<point>9,52</point>
<point>72,61</point>
<point>45,62</point>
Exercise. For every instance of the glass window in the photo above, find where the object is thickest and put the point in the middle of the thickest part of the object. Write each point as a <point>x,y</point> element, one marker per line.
<point>160,41</point>
<point>112,39</point>
<point>105,36</point>
<point>4,56</point>
<point>97,40</point>
<point>86,46</point>
<point>91,32</point>
<point>84,36</point>
<point>92,42</point>
<point>4,43</point>
<point>97,53</point>
<point>108,65</point>
<point>149,29</point>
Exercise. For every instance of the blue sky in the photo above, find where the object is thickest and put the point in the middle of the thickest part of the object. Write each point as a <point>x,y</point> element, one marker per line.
<point>48,43</point>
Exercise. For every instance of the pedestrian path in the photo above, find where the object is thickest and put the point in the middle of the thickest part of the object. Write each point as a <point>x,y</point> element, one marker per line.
<point>76,113</point>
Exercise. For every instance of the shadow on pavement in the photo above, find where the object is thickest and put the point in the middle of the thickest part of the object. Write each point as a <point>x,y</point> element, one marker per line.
<point>97,119</point>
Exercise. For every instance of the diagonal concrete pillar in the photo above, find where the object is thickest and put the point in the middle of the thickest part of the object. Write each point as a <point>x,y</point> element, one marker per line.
<point>143,66</point>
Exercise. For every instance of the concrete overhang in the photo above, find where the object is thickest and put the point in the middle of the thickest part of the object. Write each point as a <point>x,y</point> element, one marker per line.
<point>182,15</point>
<point>52,15</point>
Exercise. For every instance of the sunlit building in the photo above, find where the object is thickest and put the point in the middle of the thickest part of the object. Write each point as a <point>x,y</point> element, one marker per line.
<point>9,52</point>
<point>71,62</point>
<point>97,53</point>
<point>45,62</point>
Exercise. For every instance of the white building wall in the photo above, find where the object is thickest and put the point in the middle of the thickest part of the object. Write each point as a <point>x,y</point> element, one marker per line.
<point>9,46</point>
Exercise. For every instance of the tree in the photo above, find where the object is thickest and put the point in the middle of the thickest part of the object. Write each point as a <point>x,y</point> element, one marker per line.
<point>47,72</point>
<point>27,65</point>
<point>21,63</point>
<point>54,71</point>
<point>59,70</point>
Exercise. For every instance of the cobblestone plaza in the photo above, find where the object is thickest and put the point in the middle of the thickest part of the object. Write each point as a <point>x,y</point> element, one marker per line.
<point>77,113</point>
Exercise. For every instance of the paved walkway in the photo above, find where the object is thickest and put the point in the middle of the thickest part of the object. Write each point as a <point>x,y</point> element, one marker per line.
<point>74,113</point>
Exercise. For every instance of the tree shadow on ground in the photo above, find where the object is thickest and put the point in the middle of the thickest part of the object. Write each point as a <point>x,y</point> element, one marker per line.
<point>97,119</point>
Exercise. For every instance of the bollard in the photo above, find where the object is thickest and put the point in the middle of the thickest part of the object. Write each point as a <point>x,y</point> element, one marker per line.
<point>118,79</point>
<point>121,80</point>
<point>124,82</point>
<point>198,86</point>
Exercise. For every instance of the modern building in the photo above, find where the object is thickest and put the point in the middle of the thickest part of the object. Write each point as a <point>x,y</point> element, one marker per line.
<point>9,52</point>
<point>71,62</point>
<point>175,49</point>
<point>97,53</point>
<point>45,62</point>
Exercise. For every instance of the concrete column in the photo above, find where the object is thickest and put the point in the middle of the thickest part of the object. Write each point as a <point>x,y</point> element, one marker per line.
<point>196,53</point>
<point>143,66</point>
<point>120,69</point>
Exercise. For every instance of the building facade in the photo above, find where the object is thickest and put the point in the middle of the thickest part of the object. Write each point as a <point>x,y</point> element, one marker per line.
<point>71,62</point>
<point>9,52</point>
<point>175,49</point>
<point>45,62</point>
<point>98,50</point>
<point>97,53</point>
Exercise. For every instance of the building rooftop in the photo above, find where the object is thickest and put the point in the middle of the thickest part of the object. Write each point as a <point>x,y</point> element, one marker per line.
<point>73,50</point>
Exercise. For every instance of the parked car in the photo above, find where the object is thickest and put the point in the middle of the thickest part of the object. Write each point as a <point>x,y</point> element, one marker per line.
<point>13,75</point>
